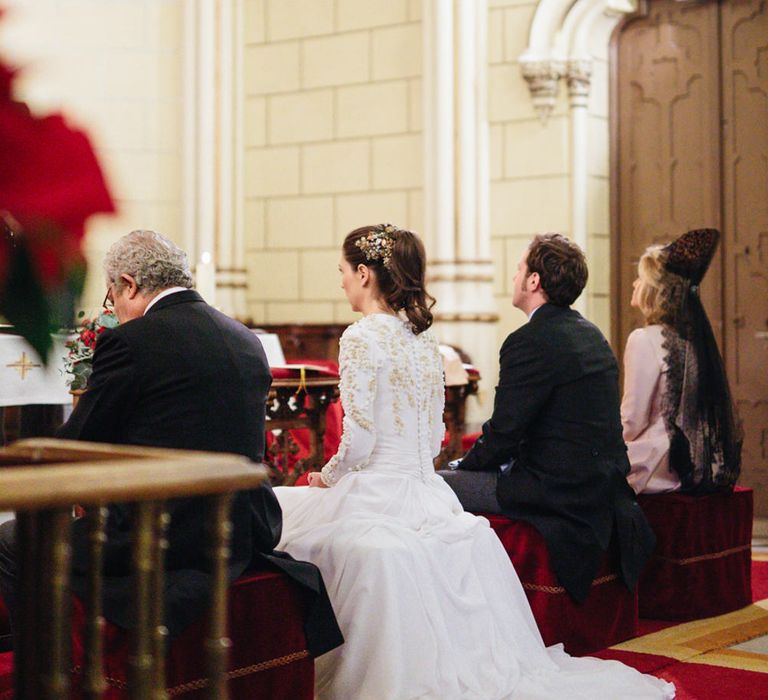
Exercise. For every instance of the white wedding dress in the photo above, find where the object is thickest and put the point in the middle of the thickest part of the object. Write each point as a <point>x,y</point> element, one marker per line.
<point>427,599</point>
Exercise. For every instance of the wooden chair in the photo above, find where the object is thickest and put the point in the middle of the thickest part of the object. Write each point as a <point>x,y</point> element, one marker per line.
<point>50,476</point>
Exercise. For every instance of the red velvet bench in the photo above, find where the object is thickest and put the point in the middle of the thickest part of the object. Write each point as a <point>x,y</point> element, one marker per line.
<point>608,615</point>
<point>268,659</point>
<point>702,563</point>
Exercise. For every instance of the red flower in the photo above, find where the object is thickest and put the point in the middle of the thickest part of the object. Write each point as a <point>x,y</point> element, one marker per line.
<point>50,183</point>
<point>48,172</point>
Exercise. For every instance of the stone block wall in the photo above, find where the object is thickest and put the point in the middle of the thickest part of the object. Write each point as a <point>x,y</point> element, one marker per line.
<point>333,141</point>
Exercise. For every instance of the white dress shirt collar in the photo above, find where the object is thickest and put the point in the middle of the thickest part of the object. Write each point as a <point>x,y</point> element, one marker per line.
<point>164,293</point>
<point>530,315</point>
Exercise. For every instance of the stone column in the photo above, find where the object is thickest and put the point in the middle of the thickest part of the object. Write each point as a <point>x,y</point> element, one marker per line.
<point>578,76</point>
<point>213,138</point>
<point>456,184</point>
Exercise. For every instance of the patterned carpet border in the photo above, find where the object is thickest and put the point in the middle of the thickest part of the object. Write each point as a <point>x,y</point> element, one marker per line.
<point>707,641</point>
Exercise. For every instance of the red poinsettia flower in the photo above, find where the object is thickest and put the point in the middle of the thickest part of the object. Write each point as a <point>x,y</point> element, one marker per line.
<point>50,183</point>
<point>49,180</point>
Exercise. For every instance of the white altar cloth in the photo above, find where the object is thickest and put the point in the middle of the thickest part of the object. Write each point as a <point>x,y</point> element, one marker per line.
<point>23,377</point>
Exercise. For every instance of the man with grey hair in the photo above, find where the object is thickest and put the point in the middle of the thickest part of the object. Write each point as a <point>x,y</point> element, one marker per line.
<point>177,373</point>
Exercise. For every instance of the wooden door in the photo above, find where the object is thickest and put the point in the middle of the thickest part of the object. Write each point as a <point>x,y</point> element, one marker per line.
<point>668,145</point>
<point>744,32</point>
<point>690,150</point>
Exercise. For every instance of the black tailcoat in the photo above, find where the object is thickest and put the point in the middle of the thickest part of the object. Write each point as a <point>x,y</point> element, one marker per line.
<point>186,376</point>
<point>556,418</point>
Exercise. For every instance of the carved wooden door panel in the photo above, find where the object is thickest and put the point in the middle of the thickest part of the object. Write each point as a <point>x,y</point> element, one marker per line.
<point>667,154</point>
<point>690,150</point>
<point>745,222</point>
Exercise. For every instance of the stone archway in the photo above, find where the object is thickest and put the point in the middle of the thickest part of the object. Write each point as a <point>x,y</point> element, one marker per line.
<point>568,43</point>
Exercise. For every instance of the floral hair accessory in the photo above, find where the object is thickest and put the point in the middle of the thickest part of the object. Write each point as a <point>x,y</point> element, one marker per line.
<point>377,245</point>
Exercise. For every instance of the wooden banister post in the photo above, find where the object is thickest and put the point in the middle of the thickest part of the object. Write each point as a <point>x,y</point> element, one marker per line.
<point>218,643</point>
<point>94,684</point>
<point>25,664</point>
<point>141,663</point>
<point>55,604</point>
<point>159,630</point>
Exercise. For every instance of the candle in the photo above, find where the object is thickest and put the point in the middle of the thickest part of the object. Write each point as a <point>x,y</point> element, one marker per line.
<point>205,278</point>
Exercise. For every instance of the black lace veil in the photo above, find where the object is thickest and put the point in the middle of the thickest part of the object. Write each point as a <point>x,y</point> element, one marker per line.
<point>705,440</point>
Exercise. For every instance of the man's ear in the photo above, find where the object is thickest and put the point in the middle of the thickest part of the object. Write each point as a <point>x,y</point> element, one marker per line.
<point>129,283</point>
<point>533,282</point>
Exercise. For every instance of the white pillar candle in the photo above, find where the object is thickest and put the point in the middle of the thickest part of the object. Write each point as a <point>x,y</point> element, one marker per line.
<point>205,278</point>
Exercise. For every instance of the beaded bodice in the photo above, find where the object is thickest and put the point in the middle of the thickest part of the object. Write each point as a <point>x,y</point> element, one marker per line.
<point>392,393</point>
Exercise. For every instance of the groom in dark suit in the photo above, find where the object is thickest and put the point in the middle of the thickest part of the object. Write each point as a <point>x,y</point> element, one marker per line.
<point>177,373</point>
<point>552,453</point>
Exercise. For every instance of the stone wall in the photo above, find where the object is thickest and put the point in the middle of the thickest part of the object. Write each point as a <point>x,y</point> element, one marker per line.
<point>333,138</point>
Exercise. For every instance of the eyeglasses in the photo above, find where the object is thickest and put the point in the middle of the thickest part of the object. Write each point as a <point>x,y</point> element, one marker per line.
<point>108,304</point>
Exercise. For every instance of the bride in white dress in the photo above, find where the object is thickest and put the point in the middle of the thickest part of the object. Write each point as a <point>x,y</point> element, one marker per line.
<point>427,599</point>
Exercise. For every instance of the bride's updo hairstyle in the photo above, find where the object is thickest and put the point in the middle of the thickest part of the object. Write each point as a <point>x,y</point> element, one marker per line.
<point>399,262</point>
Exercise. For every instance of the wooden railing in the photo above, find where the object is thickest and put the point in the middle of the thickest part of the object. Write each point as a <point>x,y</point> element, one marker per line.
<point>44,480</point>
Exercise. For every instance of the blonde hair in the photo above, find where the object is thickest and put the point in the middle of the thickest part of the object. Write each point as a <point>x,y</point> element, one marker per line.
<point>650,271</point>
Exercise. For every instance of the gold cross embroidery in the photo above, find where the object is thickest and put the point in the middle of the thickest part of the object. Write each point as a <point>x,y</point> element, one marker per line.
<point>23,365</point>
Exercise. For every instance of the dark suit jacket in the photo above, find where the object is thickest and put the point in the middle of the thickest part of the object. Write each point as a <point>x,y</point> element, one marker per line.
<point>556,416</point>
<point>184,376</point>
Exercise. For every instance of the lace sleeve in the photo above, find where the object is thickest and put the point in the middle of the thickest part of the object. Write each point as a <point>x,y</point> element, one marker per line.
<point>357,368</point>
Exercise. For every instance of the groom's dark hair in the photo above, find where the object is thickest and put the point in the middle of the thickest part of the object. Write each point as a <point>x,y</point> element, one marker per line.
<point>561,265</point>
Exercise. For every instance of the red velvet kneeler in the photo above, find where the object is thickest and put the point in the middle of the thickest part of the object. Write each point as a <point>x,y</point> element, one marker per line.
<point>6,676</point>
<point>701,565</point>
<point>608,615</point>
<point>268,658</point>
<point>5,625</point>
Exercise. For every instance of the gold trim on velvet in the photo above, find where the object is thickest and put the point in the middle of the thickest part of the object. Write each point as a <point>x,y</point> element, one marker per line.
<point>692,640</point>
<point>557,590</point>
<point>239,672</point>
<point>705,557</point>
<point>200,683</point>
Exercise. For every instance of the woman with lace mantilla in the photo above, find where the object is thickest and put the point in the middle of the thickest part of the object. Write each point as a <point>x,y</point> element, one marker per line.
<point>677,412</point>
<point>427,599</point>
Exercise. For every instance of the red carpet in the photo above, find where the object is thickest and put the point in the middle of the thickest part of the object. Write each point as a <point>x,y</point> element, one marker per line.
<point>702,682</point>
<point>697,656</point>
<point>696,681</point>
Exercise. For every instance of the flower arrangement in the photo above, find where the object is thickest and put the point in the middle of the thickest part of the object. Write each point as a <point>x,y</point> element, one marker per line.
<point>79,360</point>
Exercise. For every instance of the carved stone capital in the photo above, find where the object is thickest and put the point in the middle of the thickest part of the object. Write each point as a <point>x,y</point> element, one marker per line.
<point>619,8</point>
<point>578,75</point>
<point>542,77</point>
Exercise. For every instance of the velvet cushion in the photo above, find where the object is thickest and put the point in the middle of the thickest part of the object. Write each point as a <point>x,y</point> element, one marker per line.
<point>701,565</point>
<point>268,658</point>
<point>608,615</point>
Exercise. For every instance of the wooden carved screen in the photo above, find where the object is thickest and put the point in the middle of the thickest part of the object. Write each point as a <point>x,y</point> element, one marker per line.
<point>690,150</point>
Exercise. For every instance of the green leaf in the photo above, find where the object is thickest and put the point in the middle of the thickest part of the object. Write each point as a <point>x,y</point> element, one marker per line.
<point>25,305</point>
